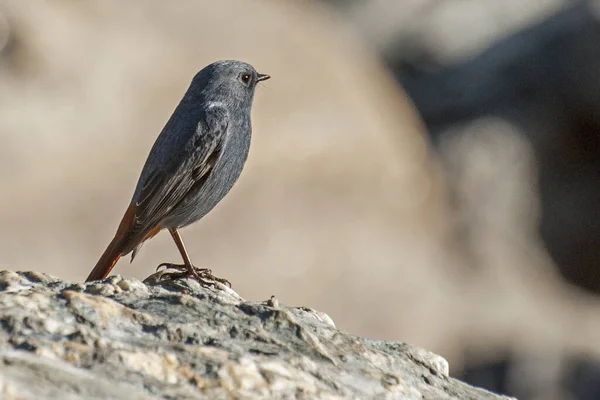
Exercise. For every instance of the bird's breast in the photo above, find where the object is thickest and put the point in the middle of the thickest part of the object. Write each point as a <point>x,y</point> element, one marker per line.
<point>234,154</point>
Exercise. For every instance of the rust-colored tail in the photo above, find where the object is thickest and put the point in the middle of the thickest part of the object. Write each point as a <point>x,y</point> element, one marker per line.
<point>114,251</point>
<point>108,260</point>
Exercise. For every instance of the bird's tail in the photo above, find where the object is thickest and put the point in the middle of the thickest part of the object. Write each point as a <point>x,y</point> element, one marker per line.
<point>115,249</point>
<point>108,260</point>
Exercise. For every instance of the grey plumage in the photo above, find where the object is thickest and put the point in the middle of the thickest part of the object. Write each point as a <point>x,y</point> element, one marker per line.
<point>200,152</point>
<point>198,156</point>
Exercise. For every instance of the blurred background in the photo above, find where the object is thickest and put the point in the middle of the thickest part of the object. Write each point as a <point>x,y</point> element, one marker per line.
<point>422,171</point>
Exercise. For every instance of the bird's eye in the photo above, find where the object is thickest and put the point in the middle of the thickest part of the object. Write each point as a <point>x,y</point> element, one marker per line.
<point>246,78</point>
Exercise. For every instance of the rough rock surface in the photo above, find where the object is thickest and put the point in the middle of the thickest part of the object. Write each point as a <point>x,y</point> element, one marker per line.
<point>123,339</point>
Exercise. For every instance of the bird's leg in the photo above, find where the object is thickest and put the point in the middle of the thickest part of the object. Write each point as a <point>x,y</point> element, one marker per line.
<point>203,275</point>
<point>186,258</point>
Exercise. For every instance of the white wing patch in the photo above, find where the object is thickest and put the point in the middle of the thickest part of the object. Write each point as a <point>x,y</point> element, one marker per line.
<point>214,104</point>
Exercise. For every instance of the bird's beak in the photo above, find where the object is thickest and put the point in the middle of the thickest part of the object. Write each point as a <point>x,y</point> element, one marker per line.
<point>262,77</point>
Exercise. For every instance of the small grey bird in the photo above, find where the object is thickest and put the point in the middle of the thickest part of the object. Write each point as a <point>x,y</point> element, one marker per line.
<point>193,164</point>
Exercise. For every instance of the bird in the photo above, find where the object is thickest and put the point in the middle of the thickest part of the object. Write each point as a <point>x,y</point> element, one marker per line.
<point>194,162</point>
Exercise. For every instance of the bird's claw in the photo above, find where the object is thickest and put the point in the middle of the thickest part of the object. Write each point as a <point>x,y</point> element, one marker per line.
<point>204,276</point>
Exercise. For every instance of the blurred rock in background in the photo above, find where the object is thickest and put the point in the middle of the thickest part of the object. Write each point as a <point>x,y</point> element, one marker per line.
<point>343,206</point>
<point>510,95</point>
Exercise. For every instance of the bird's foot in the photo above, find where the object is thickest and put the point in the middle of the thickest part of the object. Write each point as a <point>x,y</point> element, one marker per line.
<point>203,276</point>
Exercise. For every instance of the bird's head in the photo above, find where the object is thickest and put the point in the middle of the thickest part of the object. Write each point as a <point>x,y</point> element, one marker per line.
<point>230,82</point>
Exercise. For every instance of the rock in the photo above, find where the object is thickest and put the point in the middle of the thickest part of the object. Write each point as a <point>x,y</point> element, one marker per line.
<point>122,339</point>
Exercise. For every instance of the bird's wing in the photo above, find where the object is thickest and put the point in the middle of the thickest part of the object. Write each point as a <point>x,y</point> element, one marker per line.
<point>173,175</point>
